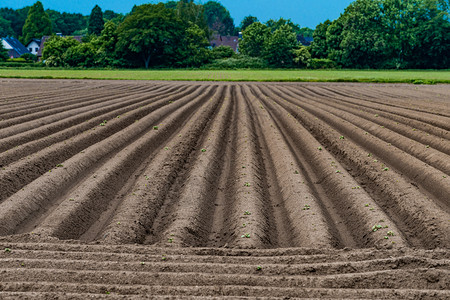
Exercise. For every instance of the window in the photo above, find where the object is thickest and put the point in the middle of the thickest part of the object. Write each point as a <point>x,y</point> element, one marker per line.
<point>30,49</point>
<point>36,49</point>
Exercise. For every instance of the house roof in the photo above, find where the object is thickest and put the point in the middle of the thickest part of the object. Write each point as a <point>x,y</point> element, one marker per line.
<point>46,37</point>
<point>304,40</point>
<point>230,41</point>
<point>37,41</point>
<point>16,46</point>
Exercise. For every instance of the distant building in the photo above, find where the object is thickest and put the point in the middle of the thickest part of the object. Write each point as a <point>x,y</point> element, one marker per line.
<point>14,47</point>
<point>304,40</point>
<point>34,46</point>
<point>46,37</point>
<point>230,41</point>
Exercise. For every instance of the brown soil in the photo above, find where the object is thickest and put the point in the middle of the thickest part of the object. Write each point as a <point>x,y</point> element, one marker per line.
<point>131,189</point>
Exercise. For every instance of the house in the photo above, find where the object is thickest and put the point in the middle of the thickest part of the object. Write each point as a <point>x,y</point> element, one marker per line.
<point>14,47</point>
<point>46,37</point>
<point>230,41</point>
<point>304,40</point>
<point>33,46</point>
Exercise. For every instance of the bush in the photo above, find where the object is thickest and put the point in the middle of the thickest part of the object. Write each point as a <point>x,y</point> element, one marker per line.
<point>222,52</point>
<point>29,57</point>
<point>239,62</point>
<point>302,56</point>
<point>321,63</point>
<point>17,60</point>
<point>20,65</point>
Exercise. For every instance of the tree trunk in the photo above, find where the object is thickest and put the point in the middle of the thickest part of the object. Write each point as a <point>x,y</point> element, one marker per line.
<point>147,60</point>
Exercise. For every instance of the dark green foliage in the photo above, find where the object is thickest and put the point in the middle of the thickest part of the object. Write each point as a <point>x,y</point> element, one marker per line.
<point>188,11</point>
<point>302,57</point>
<point>218,18</point>
<point>16,18</point>
<point>253,39</point>
<point>321,63</point>
<point>96,23</point>
<point>306,32</point>
<point>29,57</point>
<point>279,46</point>
<point>37,24</point>
<point>3,52</point>
<point>80,55</point>
<point>276,24</point>
<point>55,48</point>
<point>193,51</point>
<point>387,34</point>
<point>66,23</point>
<point>5,28</point>
<point>222,52</point>
<point>247,21</point>
<point>151,34</point>
<point>239,62</point>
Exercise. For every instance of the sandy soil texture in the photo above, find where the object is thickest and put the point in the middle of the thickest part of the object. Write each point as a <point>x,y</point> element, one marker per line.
<point>125,189</point>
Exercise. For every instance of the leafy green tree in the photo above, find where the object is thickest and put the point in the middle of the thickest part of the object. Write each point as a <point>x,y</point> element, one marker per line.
<point>253,39</point>
<point>37,23</point>
<point>66,23</point>
<point>96,23</point>
<point>221,52</point>
<point>306,31</point>
<point>247,21</point>
<point>195,45</point>
<point>279,47</point>
<point>188,11</point>
<point>3,52</point>
<point>80,55</point>
<point>55,48</point>
<point>319,46</point>
<point>16,17</point>
<point>171,4</point>
<point>218,18</point>
<point>301,57</point>
<point>276,24</point>
<point>152,33</point>
<point>5,28</point>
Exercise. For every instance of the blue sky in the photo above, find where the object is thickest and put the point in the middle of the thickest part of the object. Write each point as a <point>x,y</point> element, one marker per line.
<point>304,12</point>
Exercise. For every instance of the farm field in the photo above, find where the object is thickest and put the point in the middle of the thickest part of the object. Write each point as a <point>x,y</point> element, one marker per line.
<point>120,189</point>
<point>299,75</point>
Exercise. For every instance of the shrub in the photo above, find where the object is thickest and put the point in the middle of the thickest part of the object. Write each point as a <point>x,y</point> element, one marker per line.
<point>222,52</point>
<point>239,62</point>
<point>321,63</point>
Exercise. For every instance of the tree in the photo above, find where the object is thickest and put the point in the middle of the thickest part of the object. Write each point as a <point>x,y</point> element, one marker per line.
<point>37,23</point>
<point>276,24</point>
<point>195,43</point>
<point>222,52</point>
<point>105,45</point>
<point>96,23</point>
<point>5,28</point>
<point>80,55</point>
<point>218,18</point>
<point>55,48</point>
<point>3,52</point>
<point>279,46</point>
<point>188,11</point>
<point>302,57</point>
<point>319,46</point>
<point>152,32</point>
<point>66,23</point>
<point>247,21</point>
<point>253,39</point>
<point>16,18</point>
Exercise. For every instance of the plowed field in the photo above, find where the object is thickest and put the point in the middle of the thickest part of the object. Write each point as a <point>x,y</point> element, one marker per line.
<point>162,189</point>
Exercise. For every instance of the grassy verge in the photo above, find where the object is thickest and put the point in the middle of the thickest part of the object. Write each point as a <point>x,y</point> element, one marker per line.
<point>386,76</point>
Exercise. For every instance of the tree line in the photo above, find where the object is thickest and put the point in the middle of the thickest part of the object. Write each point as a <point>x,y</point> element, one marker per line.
<point>368,34</point>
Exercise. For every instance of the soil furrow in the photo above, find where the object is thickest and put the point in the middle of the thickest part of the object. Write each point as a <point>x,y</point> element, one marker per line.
<point>79,208</point>
<point>22,172</point>
<point>398,198</point>
<point>421,278</point>
<point>190,219</point>
<point>140,207</point>
<point>66,128</point>
<point>351,202</point>
<point>36,195</point>
<point>428,155</point>
<point>28,122</point>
